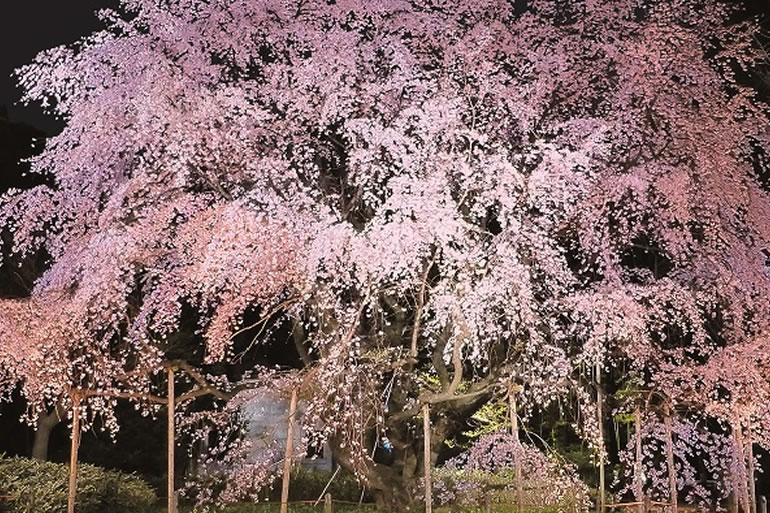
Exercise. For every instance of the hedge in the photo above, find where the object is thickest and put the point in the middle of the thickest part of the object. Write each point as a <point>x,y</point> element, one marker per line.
<point>41,486</point>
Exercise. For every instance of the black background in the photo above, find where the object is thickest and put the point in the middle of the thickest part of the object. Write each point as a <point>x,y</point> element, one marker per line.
<point>29,26</point>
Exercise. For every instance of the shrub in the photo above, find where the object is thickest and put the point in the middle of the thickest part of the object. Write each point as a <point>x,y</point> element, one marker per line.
<point>41,486</point>
<point>210,488</point>
<point>247,507</point>
<point>307,484</point>
<point>486,473</point>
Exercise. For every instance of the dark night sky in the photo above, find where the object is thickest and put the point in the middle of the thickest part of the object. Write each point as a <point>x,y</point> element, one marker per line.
<point>29,26</point>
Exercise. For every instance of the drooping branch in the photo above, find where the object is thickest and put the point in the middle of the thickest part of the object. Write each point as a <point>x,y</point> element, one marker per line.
<point>420,307</point>
<point>448,393</point>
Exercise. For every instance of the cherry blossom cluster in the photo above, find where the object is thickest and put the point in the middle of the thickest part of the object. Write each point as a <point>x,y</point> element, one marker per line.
<point>440,197</point>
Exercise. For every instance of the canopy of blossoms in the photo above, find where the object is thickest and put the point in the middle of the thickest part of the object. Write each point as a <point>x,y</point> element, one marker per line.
<point>442,198</point>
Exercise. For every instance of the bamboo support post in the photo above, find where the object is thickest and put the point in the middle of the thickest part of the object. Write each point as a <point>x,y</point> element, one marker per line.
<point>75,445</point>
<point>638,483</point>
<point>752,471</point>
<point>672,491</point>
<point>328,503</point>
<point>742,494</point>
<point>516,460</point>
<point>600,421</point>
<point>170,441</point>
<point>427,457</point>
<point>288,453</point>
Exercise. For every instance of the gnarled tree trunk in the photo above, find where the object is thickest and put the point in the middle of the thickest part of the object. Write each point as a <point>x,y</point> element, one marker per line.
<point>393,485</point>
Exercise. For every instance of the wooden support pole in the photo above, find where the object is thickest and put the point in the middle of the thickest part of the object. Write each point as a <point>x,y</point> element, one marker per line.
<point>752,470</point>
<point>75,445</point>
<point>170,441</point>
<point>516,460</point>
<point>638,480</point>
<point>289,452</point>
<point>328,503</point>
<point>672,491</point>
<point>600,421</point>
<point>427,457</point>
<point>742,494</point>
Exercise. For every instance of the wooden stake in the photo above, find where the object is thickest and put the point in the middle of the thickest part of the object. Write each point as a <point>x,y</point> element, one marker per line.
<point>328,503</point>
<point>427,457</point>
<point>600,419</point>
<point>743,494</point>
<point>752,470</point>
<point>732,502</point>
<point>75,445</point>
<point>638,483</point>
<point>170,442</point>
<point>289,451</point>
<point>516,460</point>
<point>672,492</point>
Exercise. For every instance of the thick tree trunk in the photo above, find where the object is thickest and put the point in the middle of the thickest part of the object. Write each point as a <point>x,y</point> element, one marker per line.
<point>45,424</point>
<point>390,500</point>
<point>392,484</point>
<point>40,443</point>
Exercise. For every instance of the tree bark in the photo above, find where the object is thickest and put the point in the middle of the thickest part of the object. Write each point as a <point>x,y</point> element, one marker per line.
<point>420,307</point>
<point>289,452</point>
<point>392,485</point>
<point>73,472</point>
<point>298,336</point>
<point>45,424</point>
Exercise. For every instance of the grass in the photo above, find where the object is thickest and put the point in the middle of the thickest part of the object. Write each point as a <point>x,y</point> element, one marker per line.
<point>338,508</point>
<point>272,508</point>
